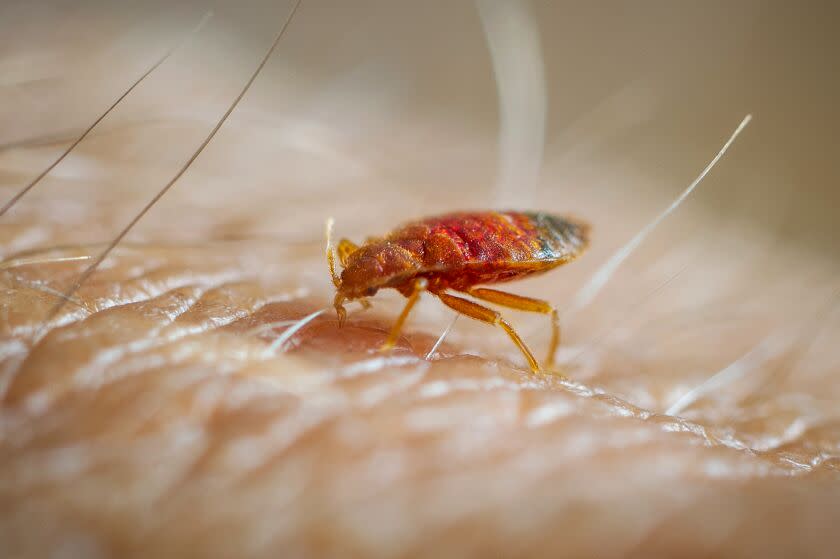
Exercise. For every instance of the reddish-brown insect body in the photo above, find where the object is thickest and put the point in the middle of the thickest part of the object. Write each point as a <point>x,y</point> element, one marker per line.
<point>459,252</point>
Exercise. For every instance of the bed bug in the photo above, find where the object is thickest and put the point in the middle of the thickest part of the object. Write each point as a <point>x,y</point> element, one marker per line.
<point>460,252</point>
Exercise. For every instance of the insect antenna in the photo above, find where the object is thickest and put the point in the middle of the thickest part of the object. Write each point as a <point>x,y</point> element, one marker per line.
<point>331,253</point>
<point>116,240</point>
<point>603,275</point>
<point>22,192</point>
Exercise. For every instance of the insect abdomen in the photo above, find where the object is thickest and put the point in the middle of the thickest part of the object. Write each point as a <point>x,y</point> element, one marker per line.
<point>492,237</point>
<point>560,238</point>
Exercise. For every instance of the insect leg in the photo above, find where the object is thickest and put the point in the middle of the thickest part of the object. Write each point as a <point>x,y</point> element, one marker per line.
<point>419,287</point>
<point>527,304</point>
<point>478,312</point>
<point>345,249</point>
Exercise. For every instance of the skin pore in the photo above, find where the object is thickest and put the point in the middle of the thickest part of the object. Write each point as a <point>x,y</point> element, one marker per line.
<point>155,414</point>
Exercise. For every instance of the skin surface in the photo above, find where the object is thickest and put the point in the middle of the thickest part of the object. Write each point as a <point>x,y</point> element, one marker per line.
<point>157,415</point>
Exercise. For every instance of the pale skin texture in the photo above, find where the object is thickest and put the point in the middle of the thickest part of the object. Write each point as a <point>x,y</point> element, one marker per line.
<point>151,419</point>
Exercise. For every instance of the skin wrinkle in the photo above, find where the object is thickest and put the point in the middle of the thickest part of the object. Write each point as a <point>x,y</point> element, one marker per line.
<point>168,331</point>
<point>151,281</point>
<point>355,504</point>
<point>615,403</point>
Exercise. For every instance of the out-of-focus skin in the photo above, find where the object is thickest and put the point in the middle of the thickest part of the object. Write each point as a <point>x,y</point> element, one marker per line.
<point>155,418</point>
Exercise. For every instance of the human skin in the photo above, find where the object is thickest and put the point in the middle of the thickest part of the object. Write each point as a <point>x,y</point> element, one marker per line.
<point>151,415</point>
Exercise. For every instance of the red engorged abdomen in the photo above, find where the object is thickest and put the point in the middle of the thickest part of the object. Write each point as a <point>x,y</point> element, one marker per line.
<point>462,238</point>
<point>466,249</point>
<point>461,250</point>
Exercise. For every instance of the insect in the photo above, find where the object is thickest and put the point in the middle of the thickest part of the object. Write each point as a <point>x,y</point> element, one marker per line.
<point>459,252</point>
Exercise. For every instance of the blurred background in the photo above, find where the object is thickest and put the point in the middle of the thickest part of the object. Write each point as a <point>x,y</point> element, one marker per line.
<point>353,107</point>
<point>375,112</point>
